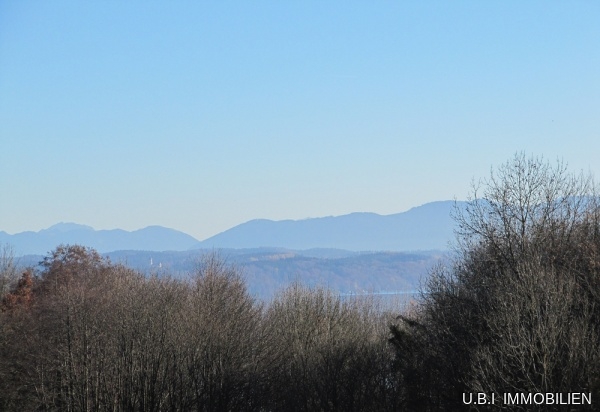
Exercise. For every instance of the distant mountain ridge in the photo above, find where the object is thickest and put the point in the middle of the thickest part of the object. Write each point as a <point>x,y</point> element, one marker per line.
<point>426,227</point>
<point>151,238</point>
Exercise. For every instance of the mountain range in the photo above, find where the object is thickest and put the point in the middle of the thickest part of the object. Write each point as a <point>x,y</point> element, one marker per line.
<point>150,238</point>
<point>426,227</point>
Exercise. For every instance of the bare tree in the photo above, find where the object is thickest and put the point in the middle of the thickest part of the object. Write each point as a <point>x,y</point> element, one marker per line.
<point>8,269</point>
<point>518,308</point>
<point>332,354</point>
<point>222,346</point>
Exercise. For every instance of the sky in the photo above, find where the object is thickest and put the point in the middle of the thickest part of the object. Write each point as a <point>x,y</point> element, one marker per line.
<point>201,115</point>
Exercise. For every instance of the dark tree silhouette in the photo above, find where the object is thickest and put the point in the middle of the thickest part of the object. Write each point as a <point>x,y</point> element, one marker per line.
<point>518,308</point>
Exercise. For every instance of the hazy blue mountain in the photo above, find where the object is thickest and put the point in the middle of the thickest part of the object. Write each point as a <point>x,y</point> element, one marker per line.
<point>427,227</point>
<point>150,238</point>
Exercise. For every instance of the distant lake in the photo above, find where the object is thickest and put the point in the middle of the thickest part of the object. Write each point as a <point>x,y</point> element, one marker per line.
<point>392,301</point>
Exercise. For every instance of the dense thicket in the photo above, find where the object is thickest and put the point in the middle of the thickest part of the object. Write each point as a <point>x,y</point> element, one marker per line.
<point>518,310</point>
<point>332,355</point>
<point>88,335</point>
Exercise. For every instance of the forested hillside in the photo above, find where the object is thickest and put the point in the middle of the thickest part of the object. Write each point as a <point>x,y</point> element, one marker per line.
<point>268,270</point>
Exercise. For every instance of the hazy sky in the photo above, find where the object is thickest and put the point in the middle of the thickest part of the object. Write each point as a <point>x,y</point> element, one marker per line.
<point>201,115</point>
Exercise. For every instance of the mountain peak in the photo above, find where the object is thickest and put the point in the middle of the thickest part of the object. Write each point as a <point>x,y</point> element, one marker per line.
<point>64,227</point>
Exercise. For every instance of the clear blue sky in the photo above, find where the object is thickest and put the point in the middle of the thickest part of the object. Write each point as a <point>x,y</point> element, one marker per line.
<point>202,115</point>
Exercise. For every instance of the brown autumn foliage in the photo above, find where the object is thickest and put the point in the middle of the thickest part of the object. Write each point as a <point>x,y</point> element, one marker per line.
<point>21,296</point>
